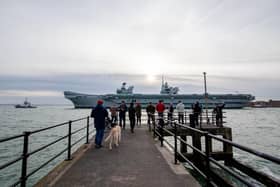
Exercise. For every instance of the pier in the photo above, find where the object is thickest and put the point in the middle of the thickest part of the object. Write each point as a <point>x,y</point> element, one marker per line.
<point>138,161</point>
<point>154,155</point>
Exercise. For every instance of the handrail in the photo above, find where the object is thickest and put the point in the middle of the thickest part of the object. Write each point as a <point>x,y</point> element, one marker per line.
<point>231,172</point>
<point>11,138</point>
<point>47,128</point>
<point>24,157</point>
<point>247,149</point>
<point>44,164</point>
<point>45,146</point>
<point>79,119</point>
<point>206,154</point>
<point>10,162</point>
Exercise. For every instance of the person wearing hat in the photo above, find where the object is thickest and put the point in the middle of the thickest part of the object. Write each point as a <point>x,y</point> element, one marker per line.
<point>99,113</point>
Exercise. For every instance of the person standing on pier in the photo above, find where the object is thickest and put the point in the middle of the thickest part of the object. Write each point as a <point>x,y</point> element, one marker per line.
<point>170,112</point>
<point>138,114</point>
<point>160,108</point>
<point>150,109</point>
<point>180,107</point>
<point>99,113</point>
<point>196,112</point>
<point>218,110</point>
<point>131,114</point>
<point>122,112</point>
<point>113,110</point>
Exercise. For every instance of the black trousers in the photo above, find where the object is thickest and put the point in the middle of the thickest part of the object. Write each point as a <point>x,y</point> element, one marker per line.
<point>122,120</point>
<point>132,123</point>
<point>181,118</point>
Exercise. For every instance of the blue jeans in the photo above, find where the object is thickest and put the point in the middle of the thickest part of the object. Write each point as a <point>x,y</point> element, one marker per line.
<point>99,136</point>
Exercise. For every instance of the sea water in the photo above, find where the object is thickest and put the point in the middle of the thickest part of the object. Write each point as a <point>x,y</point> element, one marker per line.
<point>257,128</point>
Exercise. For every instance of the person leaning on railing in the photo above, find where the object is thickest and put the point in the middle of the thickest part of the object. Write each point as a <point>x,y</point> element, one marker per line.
<point>218,111</point>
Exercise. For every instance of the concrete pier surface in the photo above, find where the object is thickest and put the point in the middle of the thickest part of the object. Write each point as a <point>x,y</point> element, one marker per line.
<point>138,161</point>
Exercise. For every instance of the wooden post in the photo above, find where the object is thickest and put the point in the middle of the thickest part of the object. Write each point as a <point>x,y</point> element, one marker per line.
<point>227,148</point>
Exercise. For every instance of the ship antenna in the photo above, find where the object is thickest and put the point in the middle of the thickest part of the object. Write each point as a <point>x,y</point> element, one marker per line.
<point>162,80</point>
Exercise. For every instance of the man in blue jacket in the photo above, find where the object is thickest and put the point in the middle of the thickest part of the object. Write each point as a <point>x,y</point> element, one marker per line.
<point>99,113</point>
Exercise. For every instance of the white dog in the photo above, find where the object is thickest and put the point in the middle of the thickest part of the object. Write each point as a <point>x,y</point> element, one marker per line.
<point>114,136</point>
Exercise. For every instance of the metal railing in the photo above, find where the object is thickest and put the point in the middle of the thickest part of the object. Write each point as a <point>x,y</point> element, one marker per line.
<point>26,154</point>
<point>159,129</point>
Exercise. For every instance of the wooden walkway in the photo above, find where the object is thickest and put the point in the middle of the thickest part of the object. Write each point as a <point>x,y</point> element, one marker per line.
<point>138,161</point>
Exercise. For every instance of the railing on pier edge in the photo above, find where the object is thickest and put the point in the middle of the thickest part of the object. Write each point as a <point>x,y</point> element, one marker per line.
<point>208,174</point>
<point>25,153</point>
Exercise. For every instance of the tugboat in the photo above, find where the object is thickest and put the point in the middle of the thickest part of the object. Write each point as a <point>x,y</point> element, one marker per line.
<point>25,104</point>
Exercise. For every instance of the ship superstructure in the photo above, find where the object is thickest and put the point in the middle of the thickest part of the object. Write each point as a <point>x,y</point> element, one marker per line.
<point>168,94</point>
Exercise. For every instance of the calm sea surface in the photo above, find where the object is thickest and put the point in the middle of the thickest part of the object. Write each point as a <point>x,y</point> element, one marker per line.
<point>257,128</point>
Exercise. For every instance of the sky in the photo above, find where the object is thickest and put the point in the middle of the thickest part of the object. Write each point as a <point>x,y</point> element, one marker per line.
<point>90,46</point>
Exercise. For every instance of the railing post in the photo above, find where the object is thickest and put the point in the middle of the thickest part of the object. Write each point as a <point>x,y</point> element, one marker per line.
<point>24,159</point>
<point>69,140</point>
<point>175,140</point>
<point>87,130</point>
<point>207,151</point>
<point>154,127</point>
<point>161,123</point>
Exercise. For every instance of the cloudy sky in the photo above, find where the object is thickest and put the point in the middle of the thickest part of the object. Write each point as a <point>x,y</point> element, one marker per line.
<point>48,46</point>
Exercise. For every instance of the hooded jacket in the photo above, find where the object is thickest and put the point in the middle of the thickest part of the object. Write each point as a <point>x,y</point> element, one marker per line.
<point>99,113</point>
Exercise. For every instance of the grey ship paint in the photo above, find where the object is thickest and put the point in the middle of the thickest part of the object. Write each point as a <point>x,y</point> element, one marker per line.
<point>167,94</point>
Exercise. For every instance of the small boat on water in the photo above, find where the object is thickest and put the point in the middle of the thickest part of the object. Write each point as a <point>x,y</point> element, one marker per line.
<point>25,104</point>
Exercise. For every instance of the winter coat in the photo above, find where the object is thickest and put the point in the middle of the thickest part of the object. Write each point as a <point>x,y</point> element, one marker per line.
<point>99,113</point>
<point>138,110</point>
<point>113,111</point>
<point>131,112</point>
<point>180,108</point>
<point>160,107</point>
<point>122,109</point>
<point>151,109</point>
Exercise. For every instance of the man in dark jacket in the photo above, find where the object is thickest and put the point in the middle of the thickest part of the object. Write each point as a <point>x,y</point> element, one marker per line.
<point>122,111</point>
<point>131,114</point>
<point>99,113</point>
<point>196,112</point>
<point>151,109</point>
<point>218,110</point>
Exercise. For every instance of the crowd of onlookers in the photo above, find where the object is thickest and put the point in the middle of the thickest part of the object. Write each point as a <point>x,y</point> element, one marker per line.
<point>134,110</point>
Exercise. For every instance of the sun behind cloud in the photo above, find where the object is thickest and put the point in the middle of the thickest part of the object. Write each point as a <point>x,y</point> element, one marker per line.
<point>151,78</point>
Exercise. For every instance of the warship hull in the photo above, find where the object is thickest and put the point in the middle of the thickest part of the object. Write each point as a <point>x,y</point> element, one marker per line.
<point>234,101</point>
